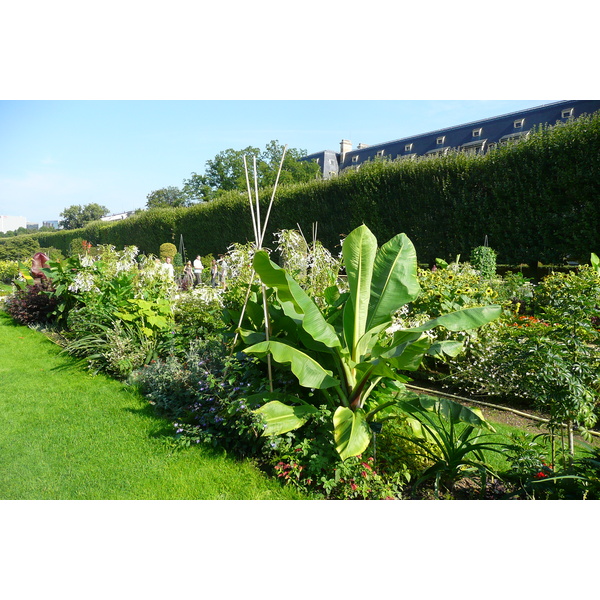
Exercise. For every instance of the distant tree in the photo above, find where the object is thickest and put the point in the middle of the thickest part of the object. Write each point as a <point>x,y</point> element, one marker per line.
<point>77,216</point>
<point>169,197</point>
<point>293,169</point>
<point>197,189</point>
<point>226,172</point>
<point>14,232</point>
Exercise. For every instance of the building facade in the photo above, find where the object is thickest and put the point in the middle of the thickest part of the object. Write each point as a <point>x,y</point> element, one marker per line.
<point>477,136</point>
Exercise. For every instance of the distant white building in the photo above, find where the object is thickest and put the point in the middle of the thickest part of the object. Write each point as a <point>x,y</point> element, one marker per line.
<point>11,223</point>
<point>118,216</point>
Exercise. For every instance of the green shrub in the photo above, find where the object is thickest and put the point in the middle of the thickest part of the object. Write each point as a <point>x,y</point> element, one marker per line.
<point>167,250</point>
<point>483,259</point>
<point>198,314</point>
<point>9,270</point>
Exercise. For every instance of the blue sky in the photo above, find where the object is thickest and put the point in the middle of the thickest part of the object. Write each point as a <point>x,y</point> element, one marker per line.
<point>54,154</point>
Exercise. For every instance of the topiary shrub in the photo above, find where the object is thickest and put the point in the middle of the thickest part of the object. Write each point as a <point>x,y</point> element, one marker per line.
<point>167,250</point>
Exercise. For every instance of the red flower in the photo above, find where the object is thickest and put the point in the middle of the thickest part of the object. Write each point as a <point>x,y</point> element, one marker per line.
<point>540,475</point>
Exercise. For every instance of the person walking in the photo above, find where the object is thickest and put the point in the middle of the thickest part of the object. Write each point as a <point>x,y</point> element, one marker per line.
<point>198,270</point>
<point>188,276</point>
<point>214,273</point>
<point>168,267</point>
<point>223,273</point>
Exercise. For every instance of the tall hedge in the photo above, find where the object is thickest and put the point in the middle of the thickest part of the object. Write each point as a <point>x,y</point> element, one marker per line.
<point>535,200</point>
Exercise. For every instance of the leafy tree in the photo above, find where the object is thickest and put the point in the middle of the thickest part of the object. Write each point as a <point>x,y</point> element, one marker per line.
<point>197,189</point>
<point>76,216</point>
<point>293,169</point>
<point>226,172</point>
<point>169,197</point>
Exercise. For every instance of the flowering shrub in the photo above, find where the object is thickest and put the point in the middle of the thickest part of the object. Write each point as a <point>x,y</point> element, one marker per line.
<point>312,266</point>
<point>352,479</point>
<point>307,460</point>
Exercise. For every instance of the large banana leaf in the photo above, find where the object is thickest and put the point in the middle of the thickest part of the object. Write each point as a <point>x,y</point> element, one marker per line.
<point>461,320</point>
<point>394,281</point>
<point>351,432</point>
<point>446,348</point>
<point>359,250</point>
<point>308,371</point>
<point>281,418</point>
<point>295,302</point>
<point>408,356</point>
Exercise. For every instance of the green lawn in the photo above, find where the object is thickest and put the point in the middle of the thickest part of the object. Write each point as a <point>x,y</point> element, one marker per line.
<point>66,434</point>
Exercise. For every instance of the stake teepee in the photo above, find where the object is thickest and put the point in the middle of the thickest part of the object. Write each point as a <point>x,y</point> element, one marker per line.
<point>259,235</point>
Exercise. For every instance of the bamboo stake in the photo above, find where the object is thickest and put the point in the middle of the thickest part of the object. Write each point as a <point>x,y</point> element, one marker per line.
<point>258,237</point>
<point>250,198</point>
<point>262,237</point>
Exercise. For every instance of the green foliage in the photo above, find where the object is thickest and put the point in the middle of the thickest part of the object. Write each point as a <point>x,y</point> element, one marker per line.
<point>450,435</point>
<point>169,197</point>
<point>347,358</point>
<point>483,259</point>
<point>20,248</point>
<point>117,313</point>
<point>314,268</point>
<point>167,250</point>
<point>225,172</point>
<point>198,314</point>
<point>9,269</point>
<point>76,216</point>
<point>211,396</point>
<point>548,360</point>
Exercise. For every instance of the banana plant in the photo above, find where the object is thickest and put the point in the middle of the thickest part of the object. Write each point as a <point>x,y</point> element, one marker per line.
<point>346,358</point>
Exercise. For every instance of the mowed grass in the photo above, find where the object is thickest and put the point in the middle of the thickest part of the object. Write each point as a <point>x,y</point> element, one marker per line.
<point>65,434</point>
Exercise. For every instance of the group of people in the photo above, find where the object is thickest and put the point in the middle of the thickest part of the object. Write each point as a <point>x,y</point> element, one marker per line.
<point>192,272</point>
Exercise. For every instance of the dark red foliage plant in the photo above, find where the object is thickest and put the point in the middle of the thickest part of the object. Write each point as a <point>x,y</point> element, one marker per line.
<point>33,304</point>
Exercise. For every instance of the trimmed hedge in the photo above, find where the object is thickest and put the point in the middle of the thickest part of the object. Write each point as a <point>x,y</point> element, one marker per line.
<point>535,200</point>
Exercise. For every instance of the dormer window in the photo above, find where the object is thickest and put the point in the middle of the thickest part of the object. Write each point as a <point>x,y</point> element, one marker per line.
<point>566,113</point>
<point>380,153</point>
<point>519,123</point>
<point>408,147</point>
<point>355,158</point>
<point>440,140</point>
<point>477,132</point>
